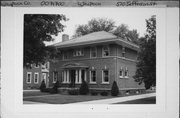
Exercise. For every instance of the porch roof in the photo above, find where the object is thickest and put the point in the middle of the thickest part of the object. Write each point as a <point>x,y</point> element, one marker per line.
<point>74,65</point>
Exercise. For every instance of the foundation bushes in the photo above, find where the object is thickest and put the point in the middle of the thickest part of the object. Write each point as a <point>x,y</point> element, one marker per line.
<point>54,90</point>
<point>114,89</point>
<point>42,86</point>
<point>94,93</point>
<point>73,92</point>
<point>104,93</point>
<point>84,89</point>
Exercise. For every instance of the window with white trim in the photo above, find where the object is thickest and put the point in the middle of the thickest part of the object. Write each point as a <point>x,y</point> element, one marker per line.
<point>92,76</point>
<point>78,52</point>
<point>106,51</point>
<point>36,65</point>
<point>65,76</point>
<point>105,76</point>
<point>123,52</point>
<point>121,73</point>
<point>126,74</point>
<point>93,52</point>
<point>55,76</point>
<point>36,78</point>
<point>29,77</point>
<point>65,56</point>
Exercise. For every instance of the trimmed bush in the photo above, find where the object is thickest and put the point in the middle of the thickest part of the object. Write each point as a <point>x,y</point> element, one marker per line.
<point>55,87</point>
<point>94,93</point>
<point>84,89</point>
<point>42,86</point>
<point>114,89</point>
<point>104,93</point>
<point>73,92</point>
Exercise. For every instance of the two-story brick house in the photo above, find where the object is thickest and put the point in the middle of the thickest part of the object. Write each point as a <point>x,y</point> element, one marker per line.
<point>99,58</point>
<point>32,77</point>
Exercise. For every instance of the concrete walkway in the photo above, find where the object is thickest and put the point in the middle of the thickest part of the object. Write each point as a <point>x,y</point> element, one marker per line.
<point>29,102</point>
<point>118,99</point>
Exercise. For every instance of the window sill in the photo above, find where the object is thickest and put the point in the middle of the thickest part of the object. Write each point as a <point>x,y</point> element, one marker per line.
<point>92,83</point>
<point>28,82</point>
<point>105,83</point>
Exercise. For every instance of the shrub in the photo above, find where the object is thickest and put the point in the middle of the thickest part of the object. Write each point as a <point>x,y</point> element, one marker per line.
<point>55,87</point>
<point>114,89</point>
<point>73,92</point>
<point>94,93</point>
<point>84,89</point>
<point>104,93</point>
<point>42,86</point>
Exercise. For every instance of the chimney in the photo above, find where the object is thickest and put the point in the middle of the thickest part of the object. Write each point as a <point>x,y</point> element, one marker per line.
<point>65,37</point>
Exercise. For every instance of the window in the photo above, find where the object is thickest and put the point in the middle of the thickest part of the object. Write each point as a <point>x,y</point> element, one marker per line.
<point>65,56</point>
<point>55,76</point>
<point>92,76</point>
<point>123,52</point>
<point>106,51</point>
<point>126,74</point>
<point>29,77</point>
<point>93,52</point>
<point>65,76</point>
<point>36,78</point>
<point>36,66</point>
<point>105,76</point>
<point>121,73</point>
<point>78,52</point>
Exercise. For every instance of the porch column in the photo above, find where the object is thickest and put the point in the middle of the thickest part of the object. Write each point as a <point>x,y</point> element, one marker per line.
<point>67,76</point>
<point>80,79</point>
<point>85,75</point>
<point>64,75</point>
<point>76,78</point>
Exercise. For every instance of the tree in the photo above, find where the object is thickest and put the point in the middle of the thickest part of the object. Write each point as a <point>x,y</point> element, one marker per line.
<point>95,25</point>
<point>114,89</point>
<point>146,65</point>
<point>107,25</point>
<point>42,86</point>
<point>39,28</point>
<point>84,89</point>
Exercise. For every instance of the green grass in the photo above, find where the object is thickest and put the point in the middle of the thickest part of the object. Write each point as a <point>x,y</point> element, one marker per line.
<point>150,100</point>
<point>34,93</point>
<point>64,99</point>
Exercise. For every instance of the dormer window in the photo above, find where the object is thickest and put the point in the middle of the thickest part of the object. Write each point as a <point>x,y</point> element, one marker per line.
<point>93,53</point>
<point>78,52</point>
<point>106,51</point>
<point>65,56</point>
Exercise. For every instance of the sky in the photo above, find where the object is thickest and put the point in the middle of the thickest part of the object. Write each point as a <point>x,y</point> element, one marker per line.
<point>132,17</point>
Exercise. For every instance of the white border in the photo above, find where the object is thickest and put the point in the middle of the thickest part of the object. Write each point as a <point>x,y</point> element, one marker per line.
<point>12,85</point>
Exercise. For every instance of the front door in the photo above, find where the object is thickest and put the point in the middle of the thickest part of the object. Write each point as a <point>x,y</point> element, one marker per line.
<point>72,77</point>
<point>44,77</point>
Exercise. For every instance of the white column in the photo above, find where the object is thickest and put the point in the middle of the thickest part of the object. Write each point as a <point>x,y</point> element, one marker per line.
<point>64,75</point>
<point>85,75</point>
<point>76,78</point>
<point>68,76</point>
<point>80,79</point>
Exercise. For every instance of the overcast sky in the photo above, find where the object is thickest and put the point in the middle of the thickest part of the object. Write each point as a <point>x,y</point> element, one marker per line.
<point>134,18</point>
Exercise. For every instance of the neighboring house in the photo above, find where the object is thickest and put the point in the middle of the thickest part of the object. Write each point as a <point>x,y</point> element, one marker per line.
<point>99,58</point>
<point>33,76</point>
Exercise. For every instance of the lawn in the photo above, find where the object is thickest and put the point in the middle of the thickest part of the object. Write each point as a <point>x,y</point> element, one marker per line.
<point>150,100</point>
<point>37,96</point>
<point>64,99</point>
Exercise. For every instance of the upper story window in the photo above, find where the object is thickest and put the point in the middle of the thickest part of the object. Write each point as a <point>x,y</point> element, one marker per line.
<point>106,51</point>
<point>36,65</point>
<point>78,52</point>
<point>65,56</point>
<point>93,52</point>
<point>123,52</point>
<point>45,65</point>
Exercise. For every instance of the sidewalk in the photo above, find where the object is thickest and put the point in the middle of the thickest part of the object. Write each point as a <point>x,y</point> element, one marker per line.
<point>118,99</point>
